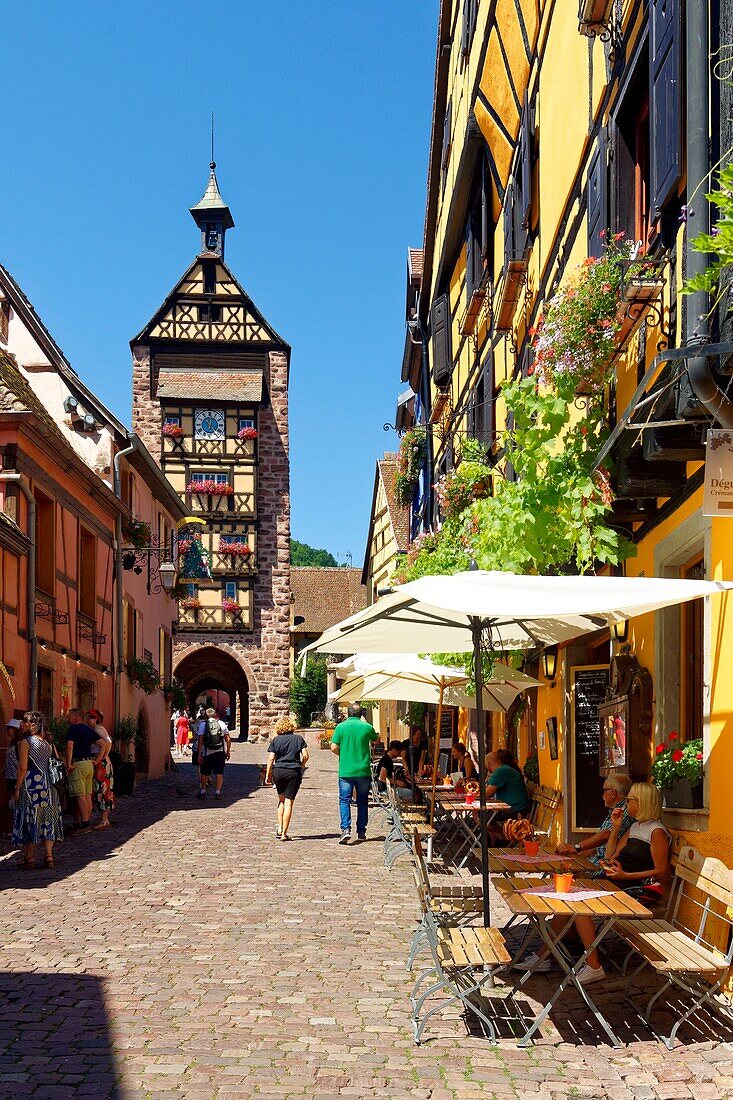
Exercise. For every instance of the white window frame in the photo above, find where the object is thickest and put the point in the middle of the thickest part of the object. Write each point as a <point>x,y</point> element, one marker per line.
<point>230,590</point>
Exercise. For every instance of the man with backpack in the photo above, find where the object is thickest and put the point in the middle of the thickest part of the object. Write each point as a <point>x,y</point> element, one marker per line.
<point>214,750</point>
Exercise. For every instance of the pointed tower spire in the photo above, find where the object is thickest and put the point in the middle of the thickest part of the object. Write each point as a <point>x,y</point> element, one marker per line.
<point>211,213</point>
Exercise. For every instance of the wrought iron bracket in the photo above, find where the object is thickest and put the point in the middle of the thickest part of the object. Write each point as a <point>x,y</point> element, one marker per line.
<point>46,610</point>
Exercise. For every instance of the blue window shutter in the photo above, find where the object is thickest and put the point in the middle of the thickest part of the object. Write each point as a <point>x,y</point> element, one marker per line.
<point>472,246</point>
<point>665,100</point>
<point>440,333</point>
<point>597,197</point>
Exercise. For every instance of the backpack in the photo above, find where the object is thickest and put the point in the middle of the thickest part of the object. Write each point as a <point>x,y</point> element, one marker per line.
<point>213,740</point>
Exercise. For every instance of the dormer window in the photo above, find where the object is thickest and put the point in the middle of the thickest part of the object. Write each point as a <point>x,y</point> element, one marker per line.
<point>209,313</point>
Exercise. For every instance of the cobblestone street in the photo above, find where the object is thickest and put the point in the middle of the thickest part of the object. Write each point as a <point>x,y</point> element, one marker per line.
<point>186,953</point>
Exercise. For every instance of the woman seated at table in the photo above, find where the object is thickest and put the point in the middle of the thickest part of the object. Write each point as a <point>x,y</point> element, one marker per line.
<point>638,861</point>
<point>505,784</point>
<point>462,761</point>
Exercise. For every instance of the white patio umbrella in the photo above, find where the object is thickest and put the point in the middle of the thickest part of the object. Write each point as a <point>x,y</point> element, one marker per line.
<point>501,611</point>
<point>408,677</point>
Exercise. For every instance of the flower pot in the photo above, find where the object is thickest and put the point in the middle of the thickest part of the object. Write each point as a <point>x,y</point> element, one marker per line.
<point>681,795</point>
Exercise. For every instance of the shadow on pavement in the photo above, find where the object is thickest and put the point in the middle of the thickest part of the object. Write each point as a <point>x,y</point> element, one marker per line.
<point>153,800</point>
<point>54,1035</point>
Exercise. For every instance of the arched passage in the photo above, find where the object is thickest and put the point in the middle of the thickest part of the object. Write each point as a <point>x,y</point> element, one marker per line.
<point>211,668</point>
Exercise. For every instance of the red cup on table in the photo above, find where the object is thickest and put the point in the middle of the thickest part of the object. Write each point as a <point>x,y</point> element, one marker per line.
<point>470,798</point>
<point>532,847</point>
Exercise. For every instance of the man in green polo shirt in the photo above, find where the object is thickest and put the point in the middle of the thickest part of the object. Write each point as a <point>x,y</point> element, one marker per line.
<point>351,742</point>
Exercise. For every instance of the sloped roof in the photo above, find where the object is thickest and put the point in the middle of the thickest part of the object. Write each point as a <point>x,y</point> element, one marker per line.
<point>415,257</point>
<point>325,596</point>
<point>236,385</point>
<point>211,200</point>
<point>398,514</point>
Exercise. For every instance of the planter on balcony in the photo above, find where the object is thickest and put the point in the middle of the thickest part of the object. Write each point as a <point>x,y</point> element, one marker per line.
<point>510,291</point>
<point>639,298</point>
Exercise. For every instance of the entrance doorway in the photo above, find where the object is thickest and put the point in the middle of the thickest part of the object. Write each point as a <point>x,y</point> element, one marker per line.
<point>213,677</point>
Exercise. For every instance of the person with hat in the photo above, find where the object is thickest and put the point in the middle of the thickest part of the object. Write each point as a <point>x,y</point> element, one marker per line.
<point>103,795</point>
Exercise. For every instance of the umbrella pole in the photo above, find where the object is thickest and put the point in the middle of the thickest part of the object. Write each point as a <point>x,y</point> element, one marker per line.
<point>481,735</point>
<point>436,753</point>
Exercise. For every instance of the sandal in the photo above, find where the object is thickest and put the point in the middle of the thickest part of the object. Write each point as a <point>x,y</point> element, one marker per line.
<point>26,864</point>
<point>286,837</point>
<point>103,825</point>
<point>49,863</point>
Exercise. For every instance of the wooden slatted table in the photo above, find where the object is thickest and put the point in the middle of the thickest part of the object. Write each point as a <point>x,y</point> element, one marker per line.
<point>610,906</point>
<point>514,862</point>
<point>460,821</point>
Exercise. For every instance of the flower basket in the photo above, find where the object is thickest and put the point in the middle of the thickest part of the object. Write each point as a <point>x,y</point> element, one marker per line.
<point>413,447</point>
<point>324,738</point>
<point>208,488</point>
<point>235,549</point>
<point>247,434</point>
<point>639,296</point>
<point>230,607</point>
<point>678,770</point>
<point>136,533</point>
<point>174,432</point>
<point>144,674</point>
<point>191,603</point>
<point>683,795</point>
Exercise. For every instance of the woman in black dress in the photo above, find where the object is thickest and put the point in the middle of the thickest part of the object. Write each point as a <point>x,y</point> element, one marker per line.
<point>287,755</point>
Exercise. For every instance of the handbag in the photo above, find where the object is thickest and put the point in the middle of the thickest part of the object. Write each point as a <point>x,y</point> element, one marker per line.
<point>57,773</point>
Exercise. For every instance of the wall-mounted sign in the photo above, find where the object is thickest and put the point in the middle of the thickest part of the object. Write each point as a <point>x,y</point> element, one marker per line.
<point>718,497</point>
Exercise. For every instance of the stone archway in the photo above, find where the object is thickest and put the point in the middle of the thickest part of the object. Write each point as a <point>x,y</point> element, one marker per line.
<point>212,667</point>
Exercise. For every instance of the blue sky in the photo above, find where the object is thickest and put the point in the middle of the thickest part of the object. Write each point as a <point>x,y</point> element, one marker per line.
<point>323,122</point>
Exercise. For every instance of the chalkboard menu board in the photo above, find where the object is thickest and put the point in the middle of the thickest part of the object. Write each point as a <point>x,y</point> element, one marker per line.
<point>447,723</point>
<point>589,684</point>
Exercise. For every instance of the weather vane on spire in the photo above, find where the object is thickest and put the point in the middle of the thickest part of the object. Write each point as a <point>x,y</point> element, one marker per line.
<point>213,162</point>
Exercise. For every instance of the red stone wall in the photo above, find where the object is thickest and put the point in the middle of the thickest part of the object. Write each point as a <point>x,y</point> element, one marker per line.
<point>145,409</point>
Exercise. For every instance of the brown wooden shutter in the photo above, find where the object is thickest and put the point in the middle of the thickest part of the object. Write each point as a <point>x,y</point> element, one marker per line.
<point>597,197</point>
<point>440,332</point>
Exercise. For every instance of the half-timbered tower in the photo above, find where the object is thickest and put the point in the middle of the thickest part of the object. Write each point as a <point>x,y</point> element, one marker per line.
<point>210,399</point>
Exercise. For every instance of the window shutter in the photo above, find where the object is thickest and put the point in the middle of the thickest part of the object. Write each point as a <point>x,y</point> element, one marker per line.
<point>445,155</point>
<point>665,101</point>
<point>486,212</point>
<point>622,175</point>
<point>466,28</point>
<point>525,165</point>
<point>472,246</point>
<point>597,197</point>
<point>508,224</point>
<point>440,332</point>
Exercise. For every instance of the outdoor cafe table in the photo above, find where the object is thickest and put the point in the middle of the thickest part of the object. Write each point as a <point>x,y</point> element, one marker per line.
<point>460,820</point>
<point>599,899</point>
<point>515,861</point>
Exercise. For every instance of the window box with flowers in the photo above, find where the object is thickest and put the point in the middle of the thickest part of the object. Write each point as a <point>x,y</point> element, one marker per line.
<point>247,435</point>
<point>678,772</point>
<point>231,607</point>
<point>236,555</point>
<point>176,434</point>
<point>209,493</point>
<point>191,603</point>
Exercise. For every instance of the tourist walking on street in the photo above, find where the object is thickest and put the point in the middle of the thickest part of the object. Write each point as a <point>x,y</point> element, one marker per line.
<point>351,742</point>
<point>37,814</point>
<point>287,755</point>
<point>103,796</point>
<point>183,733</point>
<point>80,739</point>
<point>11,762</point>
<point>215,746</point>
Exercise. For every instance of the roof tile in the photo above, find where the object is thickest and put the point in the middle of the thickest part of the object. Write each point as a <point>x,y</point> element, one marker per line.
<point>241,385</point>
<point>325,596</point>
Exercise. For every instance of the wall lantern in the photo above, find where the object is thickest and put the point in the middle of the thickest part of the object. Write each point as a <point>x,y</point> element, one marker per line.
<point>549,662</point>
<point>594,18</point>
<point>620,631</point>
<point>167,572</point>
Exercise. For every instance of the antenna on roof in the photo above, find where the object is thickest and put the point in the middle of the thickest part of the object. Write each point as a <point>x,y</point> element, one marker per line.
<point>213,162</point>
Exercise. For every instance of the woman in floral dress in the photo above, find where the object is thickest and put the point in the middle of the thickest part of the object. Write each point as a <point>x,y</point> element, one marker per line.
<point>103,795</point>
<point>37,816</point>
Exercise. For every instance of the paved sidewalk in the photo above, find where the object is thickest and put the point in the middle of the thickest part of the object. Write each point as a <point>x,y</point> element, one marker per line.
<point>187,953</point>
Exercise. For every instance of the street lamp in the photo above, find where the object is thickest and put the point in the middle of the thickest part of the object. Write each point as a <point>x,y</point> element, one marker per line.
<point>620,631</point>
<point>167,572</point>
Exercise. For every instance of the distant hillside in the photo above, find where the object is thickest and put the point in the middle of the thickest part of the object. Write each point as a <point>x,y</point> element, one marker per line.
<point>302,554</point>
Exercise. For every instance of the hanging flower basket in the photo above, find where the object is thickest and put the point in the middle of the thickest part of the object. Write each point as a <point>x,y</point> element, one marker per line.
<point>191,603</point>
<point>230,607</point>
<point>235,549</point>
<point>247,433</point>
<point>143,672</point>
<point>136,532</point>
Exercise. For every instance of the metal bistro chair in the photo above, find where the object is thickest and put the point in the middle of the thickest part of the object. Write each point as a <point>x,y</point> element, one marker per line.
<point>455,905</point>
<point>397,842</point>
<point>464,960</point>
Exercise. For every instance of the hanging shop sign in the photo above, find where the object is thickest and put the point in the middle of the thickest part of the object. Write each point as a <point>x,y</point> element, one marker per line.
<point>718,498</point>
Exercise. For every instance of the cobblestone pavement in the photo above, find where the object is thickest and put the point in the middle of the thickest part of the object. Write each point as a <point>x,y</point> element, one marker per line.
<point>187,953</point>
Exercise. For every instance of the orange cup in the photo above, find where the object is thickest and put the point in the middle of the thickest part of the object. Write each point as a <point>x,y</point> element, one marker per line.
<point>532,847</point>
<point>563,882</point>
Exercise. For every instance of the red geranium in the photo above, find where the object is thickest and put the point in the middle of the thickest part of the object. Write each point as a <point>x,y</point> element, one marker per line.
<point>698,756</point>
<point>660,749</point>
<point>674,736</point>
<point>678,755</point>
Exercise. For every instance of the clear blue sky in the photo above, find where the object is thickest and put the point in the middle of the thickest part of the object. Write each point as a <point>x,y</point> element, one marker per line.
<point>323,121</point>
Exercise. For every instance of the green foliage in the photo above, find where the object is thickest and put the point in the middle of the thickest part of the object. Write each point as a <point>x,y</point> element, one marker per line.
<point>302,554</point>
<point>678,761</point>
<point>410,459</point>
<point>126,733</point>
<point>531,769</point>
<point>143,672</point>
<point>416,713</point>
<point>177,695</point>
<point>309,693</point>
<point>58,728</point>
<point>718,243</point>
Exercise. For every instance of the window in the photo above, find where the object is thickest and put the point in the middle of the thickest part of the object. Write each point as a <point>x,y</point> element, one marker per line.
<point>441,340</point>
<point>478,231</point>
<point>631,156</point>
<point>85,694</point>
<point>45,544</point>
<point>246,422</point>
<point>87,578</point>
<point>128,629</point>
<point>45,691</point>
<point>230,590</point>
<point>518,198</point>
<point>209,313</point>
<point>164,656</point>
<point>445,153</point>
<point>482,412</point>
<point>692,681</point>
<point>209,278</point>
<point>219,479</point>
<point>127,487</point>
<point>174,421</point>
<point>470,13</point>
<point>225,540</point>
<point>192,591</point>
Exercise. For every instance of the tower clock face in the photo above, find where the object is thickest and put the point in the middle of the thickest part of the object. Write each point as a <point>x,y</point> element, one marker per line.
<point>210,424</point>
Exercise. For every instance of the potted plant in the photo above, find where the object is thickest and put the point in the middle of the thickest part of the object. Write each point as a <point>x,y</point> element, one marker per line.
<point>678,771</point>
<point>325,736</point>
<point>209,493</point>
<point>410,459</point>
<point>230,607</point>
<point>247,434</point>
<point>135,532</point>
<point>144,674</point>
<point>191,603</point>
<point>126,737</point>
<point>173,431</point>
<point>235,549</point>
